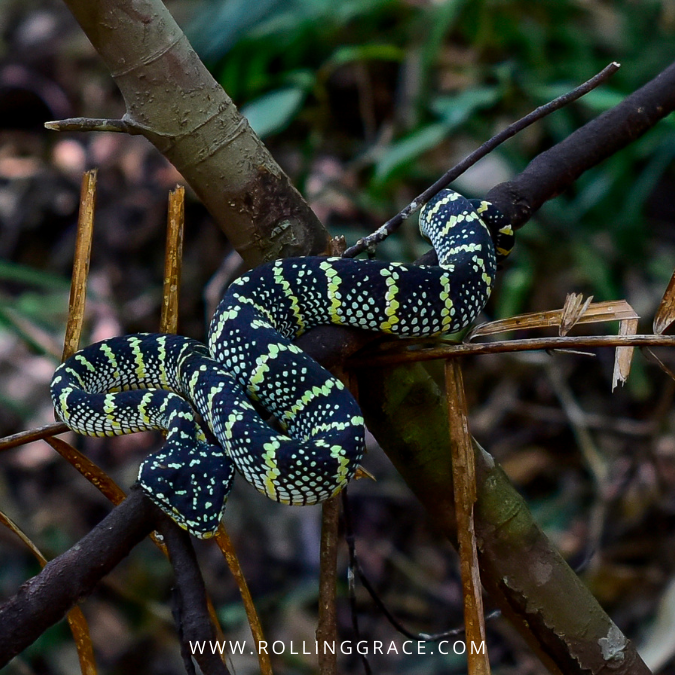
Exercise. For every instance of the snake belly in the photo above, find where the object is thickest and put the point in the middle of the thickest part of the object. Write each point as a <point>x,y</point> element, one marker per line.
<point>194,393</point>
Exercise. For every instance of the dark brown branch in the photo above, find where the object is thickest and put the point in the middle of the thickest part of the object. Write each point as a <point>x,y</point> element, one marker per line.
<point>351,576</point>
<point>44,599</point>
<point>555,170</point>
<point>191,612</point>
<point>23,437</point>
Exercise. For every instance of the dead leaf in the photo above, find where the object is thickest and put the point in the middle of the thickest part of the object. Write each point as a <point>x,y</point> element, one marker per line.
<point>624,355</point>
<point>572,311</point>
<point>597,312</point>
<point>665,314</point>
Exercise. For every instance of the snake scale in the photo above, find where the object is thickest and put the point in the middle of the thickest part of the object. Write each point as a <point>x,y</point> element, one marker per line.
<point>153,381</point>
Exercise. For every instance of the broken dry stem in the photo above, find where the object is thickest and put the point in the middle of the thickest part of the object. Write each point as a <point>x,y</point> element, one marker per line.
<point>78,286</point>
<point>172,260</point>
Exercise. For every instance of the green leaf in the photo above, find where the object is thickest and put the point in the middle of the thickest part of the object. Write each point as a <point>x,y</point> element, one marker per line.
<point>15,272</point>
<point>409,148</point>
<point>370,52</point>
<point>273,111</point>
<point>453,111</point>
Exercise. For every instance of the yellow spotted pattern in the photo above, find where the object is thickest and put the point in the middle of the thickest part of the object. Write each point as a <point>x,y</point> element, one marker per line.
<point>201,395</point>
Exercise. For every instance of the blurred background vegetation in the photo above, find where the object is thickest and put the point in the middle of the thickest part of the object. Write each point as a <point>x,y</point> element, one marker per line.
<point>364,103</point>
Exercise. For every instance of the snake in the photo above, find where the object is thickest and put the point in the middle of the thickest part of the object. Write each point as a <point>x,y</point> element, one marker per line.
<point>206,398</point>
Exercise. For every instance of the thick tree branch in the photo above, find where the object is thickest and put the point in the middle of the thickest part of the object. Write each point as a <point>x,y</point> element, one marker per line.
<point>555,170</point>
<point>176,104</point>
<point>45,599</point>
<point>524,573</point>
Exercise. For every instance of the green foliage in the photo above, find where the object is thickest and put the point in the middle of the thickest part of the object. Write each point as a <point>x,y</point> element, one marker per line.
<point>41,302</point>
<point>272,112</point>
<point>450,74</point>
<point>452,112</point>
<point>255,47</point>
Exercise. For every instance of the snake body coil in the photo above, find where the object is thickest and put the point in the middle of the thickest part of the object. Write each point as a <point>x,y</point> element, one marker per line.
<point>151,381</point>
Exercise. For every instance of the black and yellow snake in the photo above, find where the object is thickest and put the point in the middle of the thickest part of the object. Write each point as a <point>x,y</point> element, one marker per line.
<point>152,381</point>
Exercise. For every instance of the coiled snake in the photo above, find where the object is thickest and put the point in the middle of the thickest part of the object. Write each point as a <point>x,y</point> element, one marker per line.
<point>152,381</point>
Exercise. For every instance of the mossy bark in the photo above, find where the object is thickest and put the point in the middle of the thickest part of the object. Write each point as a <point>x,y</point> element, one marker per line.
<point>524,573</point>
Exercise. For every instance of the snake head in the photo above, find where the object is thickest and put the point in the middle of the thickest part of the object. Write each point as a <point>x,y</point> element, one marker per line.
<point>190,483</point>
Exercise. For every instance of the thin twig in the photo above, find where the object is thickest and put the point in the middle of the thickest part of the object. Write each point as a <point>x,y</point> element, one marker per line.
<point>661,364</point>
<point>78,285</point>
<point>367,243</point>
<point>595,461</point>
<point>225,544</point>
<point>503,346</point>
<point>91,124</point>
<point>357,570</point>
<point>406,632</point>
<point>577,419</point>
<point>351,575</point>
<point>23,437</point>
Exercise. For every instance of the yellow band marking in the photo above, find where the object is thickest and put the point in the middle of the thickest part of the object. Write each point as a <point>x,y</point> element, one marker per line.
<point>333,282</point>
<point>288,292</point>
<point>135,345</point>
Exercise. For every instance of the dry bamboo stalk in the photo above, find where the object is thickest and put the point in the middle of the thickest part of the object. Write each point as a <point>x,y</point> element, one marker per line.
<point>168,323</point>
<point>172,260</point>
<point>444,351</point>
<point>23,437</point>
<point>91,471</point>
<point>464,483</point>
<point>78,286</point>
